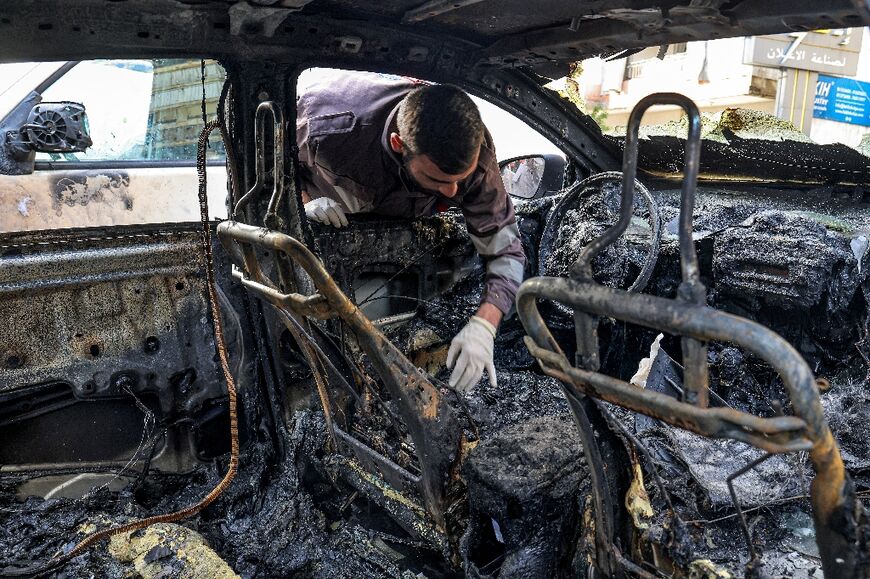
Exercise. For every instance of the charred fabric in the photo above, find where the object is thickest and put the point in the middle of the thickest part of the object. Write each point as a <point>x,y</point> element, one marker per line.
<point>336,478</point>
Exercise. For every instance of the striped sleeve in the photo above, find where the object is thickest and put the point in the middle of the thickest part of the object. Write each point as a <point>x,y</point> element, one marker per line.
<point>492,226</point>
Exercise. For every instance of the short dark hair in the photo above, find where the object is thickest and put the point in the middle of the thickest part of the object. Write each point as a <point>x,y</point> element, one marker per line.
<point>442,122</point>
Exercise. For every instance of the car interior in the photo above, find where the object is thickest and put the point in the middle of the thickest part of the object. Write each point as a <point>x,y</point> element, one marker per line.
<point>682,384</point>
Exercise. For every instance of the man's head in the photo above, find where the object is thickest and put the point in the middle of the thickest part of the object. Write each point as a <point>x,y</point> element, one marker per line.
<point>439,136</point>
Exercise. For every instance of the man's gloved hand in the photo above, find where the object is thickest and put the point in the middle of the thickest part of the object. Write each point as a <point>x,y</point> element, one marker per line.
<point>470,353</point>
<point>327,211</point>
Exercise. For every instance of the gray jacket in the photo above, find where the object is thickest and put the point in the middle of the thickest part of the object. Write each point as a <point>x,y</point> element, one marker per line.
<point>342,131</point>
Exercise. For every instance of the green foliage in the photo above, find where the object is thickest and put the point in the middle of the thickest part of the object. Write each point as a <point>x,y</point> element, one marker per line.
<point>599,115</point>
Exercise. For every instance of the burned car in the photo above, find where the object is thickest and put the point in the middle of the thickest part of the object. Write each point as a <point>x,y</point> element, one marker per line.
<point>198,381</point>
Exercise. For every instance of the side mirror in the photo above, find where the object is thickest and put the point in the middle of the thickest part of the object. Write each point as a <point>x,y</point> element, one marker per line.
<point>60,127</point>
<point>533,176</point>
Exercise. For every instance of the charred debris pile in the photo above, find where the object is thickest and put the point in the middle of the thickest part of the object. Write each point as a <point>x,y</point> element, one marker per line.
<point>795,261</point>
<point>798,264</point>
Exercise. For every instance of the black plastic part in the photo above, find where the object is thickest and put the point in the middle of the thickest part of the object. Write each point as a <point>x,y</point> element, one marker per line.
<point>60,127</point>
<point>553,177</point>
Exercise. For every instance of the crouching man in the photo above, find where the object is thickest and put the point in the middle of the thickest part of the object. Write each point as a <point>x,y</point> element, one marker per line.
<point>395,147</point>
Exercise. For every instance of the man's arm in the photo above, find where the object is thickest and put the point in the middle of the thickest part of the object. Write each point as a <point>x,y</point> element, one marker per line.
<point>502,251</point>
<point>471,351</point>
<point>492,227</point>
<point>490,313</point>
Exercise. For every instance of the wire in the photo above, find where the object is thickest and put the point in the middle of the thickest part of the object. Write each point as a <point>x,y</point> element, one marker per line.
<point>755,556</point>
<point>223,355</point>
<point>364,379</point>
<point>148,424</point>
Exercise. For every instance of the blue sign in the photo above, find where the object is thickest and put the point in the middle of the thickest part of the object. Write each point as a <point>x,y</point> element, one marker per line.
<point>842,99</point>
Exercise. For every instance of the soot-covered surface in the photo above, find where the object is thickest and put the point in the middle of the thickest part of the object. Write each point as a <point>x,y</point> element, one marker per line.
<point>278,518</point>
<point>758,158</point>
<point>526,484</point>
<point>265,525</point>
<point>795,261</point>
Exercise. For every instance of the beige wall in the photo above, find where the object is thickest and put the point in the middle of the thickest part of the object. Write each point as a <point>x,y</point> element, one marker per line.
<point>825,131</point>
<point>727,78</point>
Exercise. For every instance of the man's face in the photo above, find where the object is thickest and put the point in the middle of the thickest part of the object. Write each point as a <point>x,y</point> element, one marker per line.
<point>428,176</point>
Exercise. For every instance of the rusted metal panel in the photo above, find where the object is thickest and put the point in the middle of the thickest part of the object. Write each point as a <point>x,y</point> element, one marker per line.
<point>97,323</point>
<point>431,422</point>
<point>82,310</point>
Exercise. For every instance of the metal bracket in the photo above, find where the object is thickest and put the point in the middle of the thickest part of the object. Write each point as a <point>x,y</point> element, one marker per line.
<point>688,316</point>
<point>431,422</point>
<point>271,220</point>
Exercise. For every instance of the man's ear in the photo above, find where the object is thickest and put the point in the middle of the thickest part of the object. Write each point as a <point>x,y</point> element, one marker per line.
<point>396,143</point>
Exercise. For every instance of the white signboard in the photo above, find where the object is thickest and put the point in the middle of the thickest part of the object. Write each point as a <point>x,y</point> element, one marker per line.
<point>828,51</point>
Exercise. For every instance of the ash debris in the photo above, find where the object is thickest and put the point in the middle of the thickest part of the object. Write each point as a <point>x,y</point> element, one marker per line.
<point>597,209</point>
<point>791,260</point>
<point>279,518</point>
<point>780,477</point>
<point>796,262</point>
<point>519,396</point>
<point>742,381</point>
<point>694,471</point>
<point>847,408</point>
<point>774,495</point>
<point>525,485</point>
<point>265,525</point>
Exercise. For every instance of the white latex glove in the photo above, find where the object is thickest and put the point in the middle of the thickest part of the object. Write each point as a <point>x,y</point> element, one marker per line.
<point>471,352</point>
<point>327,211</point>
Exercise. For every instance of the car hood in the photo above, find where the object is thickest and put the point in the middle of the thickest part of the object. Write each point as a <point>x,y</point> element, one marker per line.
<point>748,145</point>
<point>741,159</point>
